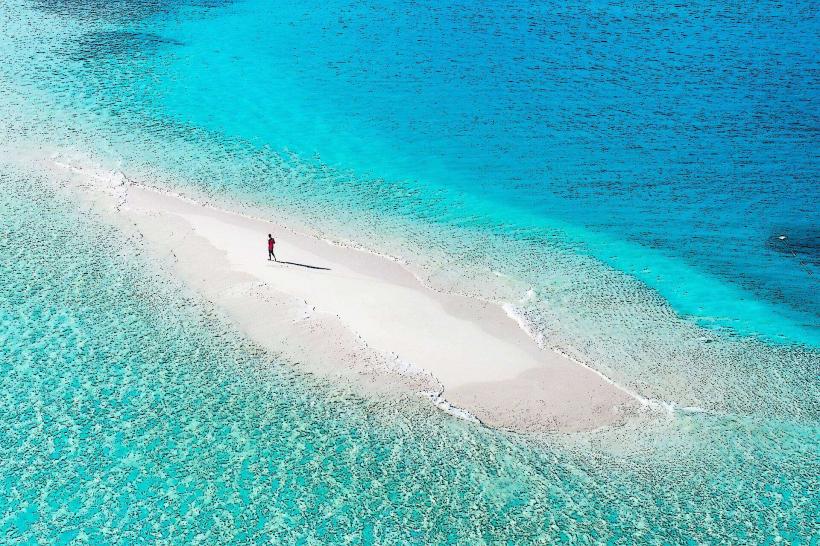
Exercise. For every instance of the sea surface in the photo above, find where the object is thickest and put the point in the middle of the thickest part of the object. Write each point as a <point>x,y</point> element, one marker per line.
<point>636,184</point>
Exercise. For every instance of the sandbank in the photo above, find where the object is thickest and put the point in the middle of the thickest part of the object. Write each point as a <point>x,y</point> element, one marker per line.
<point>355,316</point>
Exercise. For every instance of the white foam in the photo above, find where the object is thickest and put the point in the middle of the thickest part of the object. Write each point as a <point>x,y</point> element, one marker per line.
<point>113,182</point>
<point>441,403</point>
<point>668,408</point>
<point>408,368</point>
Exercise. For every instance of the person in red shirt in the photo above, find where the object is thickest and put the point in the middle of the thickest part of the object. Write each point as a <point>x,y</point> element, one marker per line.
<point>271,242</point>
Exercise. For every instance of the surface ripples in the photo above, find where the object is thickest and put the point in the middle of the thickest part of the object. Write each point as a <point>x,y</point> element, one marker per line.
<point>132,413</point>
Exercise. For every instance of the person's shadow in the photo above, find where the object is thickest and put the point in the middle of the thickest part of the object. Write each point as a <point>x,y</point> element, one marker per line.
<point>305,265</point>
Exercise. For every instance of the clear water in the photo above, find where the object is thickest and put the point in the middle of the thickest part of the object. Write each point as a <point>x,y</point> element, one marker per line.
<point>680,142</point>
<point>630,171</point>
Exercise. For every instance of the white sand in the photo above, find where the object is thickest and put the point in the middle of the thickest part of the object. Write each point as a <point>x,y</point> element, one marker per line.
<point>360,317</point>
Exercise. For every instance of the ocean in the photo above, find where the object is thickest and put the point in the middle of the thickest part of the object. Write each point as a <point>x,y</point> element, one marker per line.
<point>636,184</point>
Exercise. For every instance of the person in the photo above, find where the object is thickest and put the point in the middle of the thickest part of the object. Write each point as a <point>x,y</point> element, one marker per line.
<point>271,242</point>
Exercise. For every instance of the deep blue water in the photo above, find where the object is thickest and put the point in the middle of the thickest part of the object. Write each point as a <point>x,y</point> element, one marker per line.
<point>690,132</point>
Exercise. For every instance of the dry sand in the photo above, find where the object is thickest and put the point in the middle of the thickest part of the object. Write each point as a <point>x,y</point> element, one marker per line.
<point>359,317</point>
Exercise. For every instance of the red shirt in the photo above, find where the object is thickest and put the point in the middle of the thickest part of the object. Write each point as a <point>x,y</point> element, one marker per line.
<point>270,244</point>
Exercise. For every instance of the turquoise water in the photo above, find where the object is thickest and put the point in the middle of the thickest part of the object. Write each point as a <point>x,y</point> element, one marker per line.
<point>625,174</point>
<point>133,414</point>
<point>682,133</point>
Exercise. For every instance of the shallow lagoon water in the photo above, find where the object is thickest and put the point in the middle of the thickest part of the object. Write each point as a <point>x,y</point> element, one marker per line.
<point>134,414</point>
<point>127,405</point>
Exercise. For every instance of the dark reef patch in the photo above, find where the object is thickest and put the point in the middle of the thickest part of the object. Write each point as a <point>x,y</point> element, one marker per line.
<point>802,243</point>
<point>96,45</point>
<point>120,10</point>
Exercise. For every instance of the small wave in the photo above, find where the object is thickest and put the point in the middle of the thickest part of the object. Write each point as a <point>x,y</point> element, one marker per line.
<point>410,369</point>
<point>111,181</point>
<point>666,407</point>
<point>441,403</point>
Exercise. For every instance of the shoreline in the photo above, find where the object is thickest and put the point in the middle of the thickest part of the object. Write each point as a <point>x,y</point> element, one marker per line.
<point>356,316</point>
